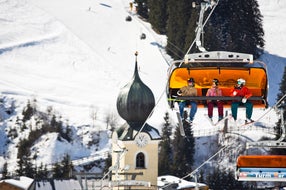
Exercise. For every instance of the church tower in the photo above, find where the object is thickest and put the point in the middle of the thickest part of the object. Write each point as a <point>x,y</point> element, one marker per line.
<point>135,144</point>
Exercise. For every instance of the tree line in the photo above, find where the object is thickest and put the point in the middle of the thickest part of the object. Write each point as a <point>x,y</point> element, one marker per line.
<point>233,26</point>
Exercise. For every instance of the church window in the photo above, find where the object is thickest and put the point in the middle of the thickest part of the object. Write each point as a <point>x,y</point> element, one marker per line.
<point>140,160</point>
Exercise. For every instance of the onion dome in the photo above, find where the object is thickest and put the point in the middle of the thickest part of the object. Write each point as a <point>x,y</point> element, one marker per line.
<point>135,100</point>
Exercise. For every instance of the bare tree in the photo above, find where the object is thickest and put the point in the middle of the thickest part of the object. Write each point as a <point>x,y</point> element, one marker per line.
<point>111,120</point>
<point>93,114</point>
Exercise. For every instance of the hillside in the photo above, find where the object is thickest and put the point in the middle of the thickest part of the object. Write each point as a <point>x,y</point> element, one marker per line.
<point>74,56</point>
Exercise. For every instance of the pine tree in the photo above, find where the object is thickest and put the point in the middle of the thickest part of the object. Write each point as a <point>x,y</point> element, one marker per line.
<point>179,13</point>
<point>183,151</point>
<point>63,169</point>
<point>57,171</point>
<point>282,87</point>
<point>282,92</point>
<point>142,8</point>
<point>223,180</point>
<point>42,172</point>
<point>255,30</point>
<point>27,112</point>
<point>67,167</point>
<point>238,26</point>
<point>19,170</point>
<point>158,15</point>
<point>28,169</point>
<point>25,166</point>
<point>233,26</point>
<point>191,31</point>
<point>165,150</point>
<point>5,171</point>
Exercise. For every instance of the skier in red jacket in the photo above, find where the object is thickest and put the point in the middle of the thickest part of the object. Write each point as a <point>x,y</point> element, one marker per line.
<point>242,91</point>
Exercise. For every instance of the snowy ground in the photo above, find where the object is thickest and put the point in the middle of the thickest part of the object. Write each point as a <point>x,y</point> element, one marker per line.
<point>76,55</point>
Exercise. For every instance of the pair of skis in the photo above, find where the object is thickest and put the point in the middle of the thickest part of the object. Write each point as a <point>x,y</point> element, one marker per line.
<point>229,117</point>
<point>247,123</point>
<point>181,127</point>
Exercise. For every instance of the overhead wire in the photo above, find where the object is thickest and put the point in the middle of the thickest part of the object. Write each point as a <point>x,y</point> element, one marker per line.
<point>196,170</point>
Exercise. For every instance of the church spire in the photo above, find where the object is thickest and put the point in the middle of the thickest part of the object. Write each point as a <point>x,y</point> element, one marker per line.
<point>135,100</point>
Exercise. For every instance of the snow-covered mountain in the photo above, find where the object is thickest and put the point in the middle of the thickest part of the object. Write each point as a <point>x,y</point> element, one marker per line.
<point>74,56</point>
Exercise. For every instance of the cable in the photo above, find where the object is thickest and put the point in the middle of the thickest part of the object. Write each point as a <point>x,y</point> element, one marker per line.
<point>193,172</point>
<point>150,114</point>
<point>275,106</point>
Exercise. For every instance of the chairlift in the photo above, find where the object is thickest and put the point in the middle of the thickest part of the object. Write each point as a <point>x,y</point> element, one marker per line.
<point>225,66</point>
<point>264,167</point>
<point>143,36</point>
<point>128,18</point>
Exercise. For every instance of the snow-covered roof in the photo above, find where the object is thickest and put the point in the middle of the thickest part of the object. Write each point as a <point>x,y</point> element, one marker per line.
<point>23,182</point>
<point>58,184</point>
<point>182,184</point>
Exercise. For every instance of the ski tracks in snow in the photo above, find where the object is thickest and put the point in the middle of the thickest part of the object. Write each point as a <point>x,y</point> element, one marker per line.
<point>24,26</point>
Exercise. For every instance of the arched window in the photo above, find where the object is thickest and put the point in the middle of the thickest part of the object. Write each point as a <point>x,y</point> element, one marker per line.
<point>140,160</point>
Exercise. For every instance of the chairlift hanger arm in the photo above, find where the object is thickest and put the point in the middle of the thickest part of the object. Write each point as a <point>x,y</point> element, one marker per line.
<point>208,4</point>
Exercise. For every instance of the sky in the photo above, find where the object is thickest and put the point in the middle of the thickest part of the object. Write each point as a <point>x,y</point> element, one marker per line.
<point>75,56</point>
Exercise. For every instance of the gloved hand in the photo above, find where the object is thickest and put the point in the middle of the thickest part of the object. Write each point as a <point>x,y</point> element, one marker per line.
<point>244,100</point>
<point>234,93</point>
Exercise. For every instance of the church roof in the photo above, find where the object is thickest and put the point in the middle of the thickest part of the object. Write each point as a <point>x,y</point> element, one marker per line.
<point>130,130</point>
<point>135,101</point>
<point>135,104</point>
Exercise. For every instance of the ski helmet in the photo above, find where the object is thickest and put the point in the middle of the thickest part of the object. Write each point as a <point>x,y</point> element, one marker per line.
<point>216,81</point>
<point>241,81</point>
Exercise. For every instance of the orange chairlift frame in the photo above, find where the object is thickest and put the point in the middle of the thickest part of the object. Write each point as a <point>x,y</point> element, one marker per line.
<point>261,168</point>
<point>264,167</point>
<point>227,67</point>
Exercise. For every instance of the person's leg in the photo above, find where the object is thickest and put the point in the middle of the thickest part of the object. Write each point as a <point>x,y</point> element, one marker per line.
<point>234,107</point>
<point>193,110</point>
<point>210,109</point>
<point>249,108</point>
<point>220,109</point>
<point>181,108</point>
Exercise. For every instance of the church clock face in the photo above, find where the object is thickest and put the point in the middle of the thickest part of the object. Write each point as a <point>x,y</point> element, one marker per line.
<point>141,140</point>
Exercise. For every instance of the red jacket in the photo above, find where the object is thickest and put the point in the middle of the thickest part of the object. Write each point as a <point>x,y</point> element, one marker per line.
<point>242,92</point>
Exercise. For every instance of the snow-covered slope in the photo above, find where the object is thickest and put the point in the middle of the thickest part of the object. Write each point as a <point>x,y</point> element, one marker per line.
<point>275,52</point>
<point>75,56</point>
